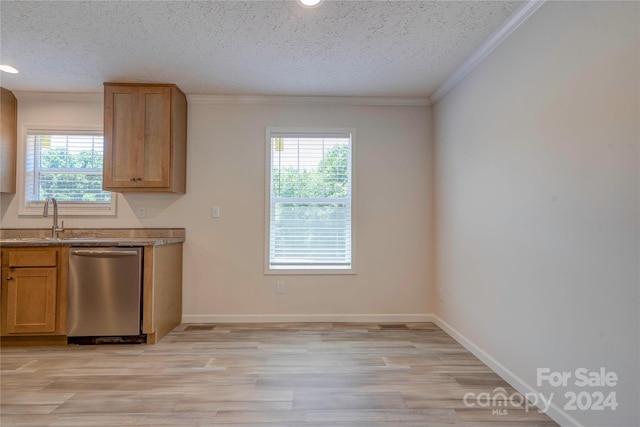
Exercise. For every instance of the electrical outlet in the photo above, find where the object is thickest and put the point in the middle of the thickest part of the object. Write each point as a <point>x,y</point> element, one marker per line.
<point>142,213</point>
<point>215,212</point>
<point>280,287</point>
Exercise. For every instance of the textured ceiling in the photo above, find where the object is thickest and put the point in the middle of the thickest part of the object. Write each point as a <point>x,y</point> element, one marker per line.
<point>342,48</point>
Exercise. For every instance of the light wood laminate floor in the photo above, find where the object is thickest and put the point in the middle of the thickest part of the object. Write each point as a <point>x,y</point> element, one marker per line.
<point>286,374</point>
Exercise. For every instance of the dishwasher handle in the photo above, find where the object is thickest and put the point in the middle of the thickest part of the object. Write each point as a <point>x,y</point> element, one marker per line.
<point>103,254</point>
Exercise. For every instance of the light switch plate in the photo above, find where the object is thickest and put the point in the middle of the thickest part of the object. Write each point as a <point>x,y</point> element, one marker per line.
<point>215,212</point>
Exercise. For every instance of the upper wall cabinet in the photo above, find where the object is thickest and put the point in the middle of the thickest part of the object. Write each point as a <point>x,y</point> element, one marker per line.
<point>145,138</point>
<point>8,140</point>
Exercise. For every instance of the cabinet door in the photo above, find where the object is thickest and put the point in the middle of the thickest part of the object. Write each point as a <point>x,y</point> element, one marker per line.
<point>30,300</point>
<point>8,141</point>
<point>154,154</point>
<point>122,137</point>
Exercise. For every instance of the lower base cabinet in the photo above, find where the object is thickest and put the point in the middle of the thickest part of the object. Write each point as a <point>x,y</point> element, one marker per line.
<point>34,296</point>
<point>31,300</point>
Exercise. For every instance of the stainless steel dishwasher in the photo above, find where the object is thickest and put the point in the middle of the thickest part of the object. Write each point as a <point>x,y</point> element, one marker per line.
<point>105,287</point>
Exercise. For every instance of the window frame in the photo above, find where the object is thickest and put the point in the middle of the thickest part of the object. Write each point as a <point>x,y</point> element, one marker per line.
<point>303,270</point>
<point>26,208</point>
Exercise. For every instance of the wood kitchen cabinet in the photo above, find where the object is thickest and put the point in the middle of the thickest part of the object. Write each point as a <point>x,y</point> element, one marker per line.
<point>34,291</point>
<point>145,130</point>
<point>162,290</point>
<point>8,140</point>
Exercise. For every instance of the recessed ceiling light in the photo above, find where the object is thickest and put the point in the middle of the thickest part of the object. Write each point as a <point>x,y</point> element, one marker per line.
<point>8,69</point>
<point>310,3</point>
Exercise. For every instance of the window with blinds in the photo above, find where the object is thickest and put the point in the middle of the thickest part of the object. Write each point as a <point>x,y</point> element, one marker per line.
<point>66,165</point>
<point>310,221</point>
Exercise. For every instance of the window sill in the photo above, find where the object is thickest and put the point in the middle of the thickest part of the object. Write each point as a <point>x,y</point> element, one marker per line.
<point>304,271</point>
<point>35,209</point>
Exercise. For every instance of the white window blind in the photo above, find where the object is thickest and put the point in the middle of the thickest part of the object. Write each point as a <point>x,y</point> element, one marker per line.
<point>65,165</point>
<point>310,194</point>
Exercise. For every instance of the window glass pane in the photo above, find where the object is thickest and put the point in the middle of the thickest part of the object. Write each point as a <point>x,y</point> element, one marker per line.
<point>65,166</point>
<point>310,201</point>
<point>311,233</point>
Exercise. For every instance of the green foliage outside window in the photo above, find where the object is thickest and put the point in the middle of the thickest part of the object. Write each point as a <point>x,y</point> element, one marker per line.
<point>71,177</point>
<point>330,179</point>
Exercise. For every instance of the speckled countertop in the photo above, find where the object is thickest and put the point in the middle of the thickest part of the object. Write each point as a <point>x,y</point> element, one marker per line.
<point>92,237</point>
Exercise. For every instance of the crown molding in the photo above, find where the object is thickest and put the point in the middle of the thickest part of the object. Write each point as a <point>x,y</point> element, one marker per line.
<point>59,96</point>
<point>307,100</point>
<point>240,99</point>
<point>472,61</point>
<point>485,49</point>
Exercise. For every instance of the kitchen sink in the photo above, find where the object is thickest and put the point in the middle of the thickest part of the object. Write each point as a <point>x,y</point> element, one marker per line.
<point>40,239</point>
<point>59,239</point>
<point>28,239</point>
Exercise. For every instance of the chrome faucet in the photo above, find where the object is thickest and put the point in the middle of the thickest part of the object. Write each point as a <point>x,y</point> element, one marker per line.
<point>45,213</point>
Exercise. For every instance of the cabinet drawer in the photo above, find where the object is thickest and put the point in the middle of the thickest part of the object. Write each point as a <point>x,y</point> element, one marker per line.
<point>33,258</point>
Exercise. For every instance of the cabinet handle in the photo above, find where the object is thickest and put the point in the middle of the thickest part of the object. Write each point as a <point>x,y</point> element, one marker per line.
<point>138,179</point>
<point>132,179</point>
<point>9,278</point>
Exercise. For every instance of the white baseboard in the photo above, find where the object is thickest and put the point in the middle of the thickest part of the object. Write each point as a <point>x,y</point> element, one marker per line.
<point>554,412</point>
<point>278,318</point>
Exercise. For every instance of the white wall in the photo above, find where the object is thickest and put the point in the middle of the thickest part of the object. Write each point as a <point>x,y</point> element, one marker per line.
<point>537,199</point>
<point>223,264</point>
